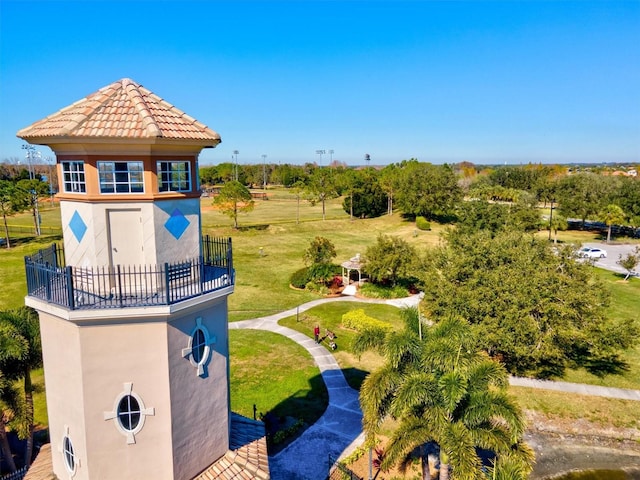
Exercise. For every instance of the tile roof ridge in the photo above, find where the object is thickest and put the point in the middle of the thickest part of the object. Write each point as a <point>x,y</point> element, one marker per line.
<point>133,91</point>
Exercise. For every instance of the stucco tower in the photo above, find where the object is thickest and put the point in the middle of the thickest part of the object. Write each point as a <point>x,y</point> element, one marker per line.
<point>133,310</point>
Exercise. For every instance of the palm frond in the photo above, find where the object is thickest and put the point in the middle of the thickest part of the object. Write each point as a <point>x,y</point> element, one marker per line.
<point>411,433</point>
<point>369,339</point>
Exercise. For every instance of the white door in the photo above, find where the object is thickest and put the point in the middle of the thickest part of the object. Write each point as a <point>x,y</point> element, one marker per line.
<point>125,237</point>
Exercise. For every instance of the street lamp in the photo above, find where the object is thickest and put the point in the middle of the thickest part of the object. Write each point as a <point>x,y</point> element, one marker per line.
<point>264,172</point>
<point>330,157</point>
<point>320,152</point>
<point>235,153</point>
<point>367,159</point>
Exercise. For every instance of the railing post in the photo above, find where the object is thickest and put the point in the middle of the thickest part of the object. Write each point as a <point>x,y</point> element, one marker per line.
<point>119,285</point>
<point>69,277</point>
<point>47,279</point>
<point>230,260</point>
<point>166,283</point>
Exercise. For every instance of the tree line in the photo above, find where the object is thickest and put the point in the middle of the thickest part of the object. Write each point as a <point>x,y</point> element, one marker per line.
<point>453,193</point>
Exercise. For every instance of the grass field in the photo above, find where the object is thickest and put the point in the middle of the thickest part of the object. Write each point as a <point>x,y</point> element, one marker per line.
<point>262,287</point>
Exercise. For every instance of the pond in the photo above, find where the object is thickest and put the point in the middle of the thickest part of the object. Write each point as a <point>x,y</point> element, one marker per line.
<point>600,475</point>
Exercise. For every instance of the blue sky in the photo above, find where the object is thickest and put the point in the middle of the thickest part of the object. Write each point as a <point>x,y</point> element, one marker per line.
<point>448,81</point>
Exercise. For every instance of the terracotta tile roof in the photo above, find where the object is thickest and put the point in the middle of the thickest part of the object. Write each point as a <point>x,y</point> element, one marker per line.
<point>246,459</point>
<point>123,109</point>
<point>247,456</point>
<point>41,468</point>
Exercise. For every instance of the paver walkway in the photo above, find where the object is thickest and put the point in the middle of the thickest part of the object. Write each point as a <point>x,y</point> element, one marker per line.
<point>339,430</point>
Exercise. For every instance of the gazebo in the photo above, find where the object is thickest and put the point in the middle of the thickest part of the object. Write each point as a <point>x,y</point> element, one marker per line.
<point>354,263</point>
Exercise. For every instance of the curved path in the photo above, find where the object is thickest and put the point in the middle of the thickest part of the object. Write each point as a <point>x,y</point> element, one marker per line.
<point>340,427</point>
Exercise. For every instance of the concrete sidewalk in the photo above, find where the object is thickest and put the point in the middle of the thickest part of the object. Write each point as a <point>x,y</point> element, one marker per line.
<point>339,430</point>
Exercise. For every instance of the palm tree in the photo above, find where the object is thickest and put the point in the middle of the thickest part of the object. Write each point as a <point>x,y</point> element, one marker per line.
<point>611,215</point>
<point>12,348</point>
<point>441,390</point>
<point>25,323</point>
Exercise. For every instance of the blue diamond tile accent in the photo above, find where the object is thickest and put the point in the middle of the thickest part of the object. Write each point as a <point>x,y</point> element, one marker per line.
<point>176,224</point>
<point>77,226</point>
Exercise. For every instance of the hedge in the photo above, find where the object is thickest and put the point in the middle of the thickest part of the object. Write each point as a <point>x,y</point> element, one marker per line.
<point>358,320</point>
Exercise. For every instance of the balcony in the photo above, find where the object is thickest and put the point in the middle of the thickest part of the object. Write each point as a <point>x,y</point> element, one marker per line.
<point>82,288</point>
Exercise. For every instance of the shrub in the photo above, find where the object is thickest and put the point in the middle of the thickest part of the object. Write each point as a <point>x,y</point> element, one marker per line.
<point>300,278</point>
<point>422,223</point>
<point>323,272</point>
<point>358,320</point>
<point>320,288</point>
<point>372,290</point>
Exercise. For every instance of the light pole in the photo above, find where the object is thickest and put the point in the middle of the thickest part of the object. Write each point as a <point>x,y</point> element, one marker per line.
<point>235,153</point>
<point>31,153</point>
<point>330,156</point>
<point>31,150</point>
<point>49,162</point>
<point>320,152</point>
<point>367,159</point>
<point>264,172</point>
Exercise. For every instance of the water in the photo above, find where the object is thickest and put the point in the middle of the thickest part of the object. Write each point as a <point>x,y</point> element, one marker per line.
<point>600,475</point>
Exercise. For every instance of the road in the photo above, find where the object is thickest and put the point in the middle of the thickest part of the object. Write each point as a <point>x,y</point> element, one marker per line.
<point>613,255</point>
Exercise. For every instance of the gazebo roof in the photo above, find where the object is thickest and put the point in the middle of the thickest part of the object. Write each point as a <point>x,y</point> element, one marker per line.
<point>121,110</point>
<point>354,263</point>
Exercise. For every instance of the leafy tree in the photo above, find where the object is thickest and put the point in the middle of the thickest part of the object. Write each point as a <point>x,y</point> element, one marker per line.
<point>611,215</point>
<point>366,199</point>
<point>321,250</point>
<point>321,187</point>
<point>627,196</point>
<point>630,261</point>
<point>475,215</point>
<point>537,312</point>
<point>441,389</point>
<point>234,198</point>
<point>557,222</point>
<point>389,179</point>
<point>583,195</point>
<point>24,321</point>
<point>390,259</point>
<point>428,190</point>
<point>31,190</point>
<point>319,257</point>
<point>12,200</point>
<point>348,182</point>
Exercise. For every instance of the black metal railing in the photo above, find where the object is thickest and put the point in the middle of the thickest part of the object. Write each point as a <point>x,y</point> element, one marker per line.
<point>119,286</point>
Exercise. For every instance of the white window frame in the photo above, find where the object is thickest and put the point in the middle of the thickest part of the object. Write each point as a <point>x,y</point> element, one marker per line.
<point>69,455</point>
<point>170,173</point>
<point>73,176</point>
<point>111,179</point>
<point>209,340</point>
<point>129,433</point>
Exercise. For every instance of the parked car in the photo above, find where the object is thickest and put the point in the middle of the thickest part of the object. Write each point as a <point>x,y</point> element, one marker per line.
<point>587,252</point>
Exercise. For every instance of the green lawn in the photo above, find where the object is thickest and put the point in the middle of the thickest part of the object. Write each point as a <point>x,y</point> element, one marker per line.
<point>270,371</point>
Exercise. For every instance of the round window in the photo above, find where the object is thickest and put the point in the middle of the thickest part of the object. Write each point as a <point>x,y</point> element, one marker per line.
<point>129,412</point>
<point>198,346</point>
<point>69,455</point>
